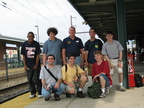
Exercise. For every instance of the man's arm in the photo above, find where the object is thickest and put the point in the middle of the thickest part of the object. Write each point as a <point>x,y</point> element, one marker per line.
<point>37,61</point>
<point>64,56</point>
<point>24,60</point>
<point>82,57</point>
<point>44,59</point>
<point>58,83</point>
<point>86,58</point>
<point>120,60</point>
<point>110,64</point>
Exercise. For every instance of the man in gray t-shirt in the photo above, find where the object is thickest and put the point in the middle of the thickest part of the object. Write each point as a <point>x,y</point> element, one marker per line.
<point>49,83</point>
<point>112,51</point>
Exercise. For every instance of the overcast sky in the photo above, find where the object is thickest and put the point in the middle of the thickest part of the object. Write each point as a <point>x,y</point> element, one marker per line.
<point>18,17</point>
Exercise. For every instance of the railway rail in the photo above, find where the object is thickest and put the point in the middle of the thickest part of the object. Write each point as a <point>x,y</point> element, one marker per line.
<point>13,91</point>
<point>12,76</point>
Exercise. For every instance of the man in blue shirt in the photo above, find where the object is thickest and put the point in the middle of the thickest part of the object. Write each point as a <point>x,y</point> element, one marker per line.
<point>52,46</point>
<point>73,45</point>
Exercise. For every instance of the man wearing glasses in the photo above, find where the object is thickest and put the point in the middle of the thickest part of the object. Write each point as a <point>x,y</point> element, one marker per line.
<point>49,83</point>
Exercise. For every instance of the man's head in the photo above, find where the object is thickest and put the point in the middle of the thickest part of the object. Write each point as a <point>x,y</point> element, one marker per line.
<point>51,59</point>
<point>52,32</point>
<point>98,55</point>
<point>30,37</point>
<point>92,32</point>
<point>109,35</point>
<point>72,58</point>
<point>72,31</point>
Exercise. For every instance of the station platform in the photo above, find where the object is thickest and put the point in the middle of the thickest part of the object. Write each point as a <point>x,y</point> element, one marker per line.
<point>131,98</point>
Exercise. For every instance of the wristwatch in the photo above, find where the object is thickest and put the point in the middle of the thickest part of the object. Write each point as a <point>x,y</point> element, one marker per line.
<point>120,60</point>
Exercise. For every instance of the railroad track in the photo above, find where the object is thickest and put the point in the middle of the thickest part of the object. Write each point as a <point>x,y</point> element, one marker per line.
<point>13,91</point>
<point>12,76</point>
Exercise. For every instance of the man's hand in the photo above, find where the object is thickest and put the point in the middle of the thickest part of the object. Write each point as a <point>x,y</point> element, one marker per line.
<point>120,64</point>
<point>25,68</point>
<point>71,85</point>
<point>56,85</point>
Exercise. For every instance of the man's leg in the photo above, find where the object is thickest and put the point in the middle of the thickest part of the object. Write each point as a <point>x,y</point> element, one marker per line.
<point>70,90</point>
<point>46,94</point>
<point>32,88</point>
<point>82,82</point>
<point>120,76</point>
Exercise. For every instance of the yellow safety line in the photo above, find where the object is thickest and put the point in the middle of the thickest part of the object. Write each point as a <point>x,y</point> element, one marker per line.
<point>18,102</point>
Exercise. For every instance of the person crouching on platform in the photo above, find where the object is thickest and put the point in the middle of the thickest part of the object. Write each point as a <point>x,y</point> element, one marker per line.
<point>51,79</point>
<point>74,77</point>
<point>101,73</point>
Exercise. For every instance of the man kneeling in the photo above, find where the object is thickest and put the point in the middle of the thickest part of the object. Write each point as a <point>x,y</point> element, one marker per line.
<point>72,75</point>
<point>101,73</point>
<point>50,83</point>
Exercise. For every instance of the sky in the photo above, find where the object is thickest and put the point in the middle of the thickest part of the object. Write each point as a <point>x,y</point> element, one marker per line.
<point>18,17</point>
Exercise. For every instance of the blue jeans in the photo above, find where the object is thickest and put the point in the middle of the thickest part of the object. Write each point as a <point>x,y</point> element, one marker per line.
<point>58,91</point>
<point>106,79</point>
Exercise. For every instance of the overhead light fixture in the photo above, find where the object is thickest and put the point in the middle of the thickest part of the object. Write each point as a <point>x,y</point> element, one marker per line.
<point>84,23</point>
<point>92,1</point>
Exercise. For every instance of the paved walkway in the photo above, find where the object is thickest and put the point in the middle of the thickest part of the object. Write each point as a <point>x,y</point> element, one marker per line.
<point>131,98</point>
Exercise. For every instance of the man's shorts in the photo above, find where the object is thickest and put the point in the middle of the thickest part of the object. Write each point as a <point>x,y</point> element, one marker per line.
<point>115,64</point>
<point>75,86</point>
<point>106,79</point>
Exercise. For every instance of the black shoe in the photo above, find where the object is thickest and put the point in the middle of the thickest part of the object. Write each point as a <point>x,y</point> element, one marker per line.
<point>46,99</point>
<point>80,94</point>
<point>68,95</point>
<point>57,98</point>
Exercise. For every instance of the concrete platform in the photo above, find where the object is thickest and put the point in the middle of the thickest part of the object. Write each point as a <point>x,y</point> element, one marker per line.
<point>131,98</point>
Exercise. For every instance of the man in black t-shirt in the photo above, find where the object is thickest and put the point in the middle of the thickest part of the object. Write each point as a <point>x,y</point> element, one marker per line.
<point>31,51</point>
<point>91,46</point>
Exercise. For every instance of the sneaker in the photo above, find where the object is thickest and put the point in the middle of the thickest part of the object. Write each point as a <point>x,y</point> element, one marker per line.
<point>32,96</point>
<point>107,90</point>
<point>40,96</point>
<point>121,88</point>
<point>80,94</point>
<point>102,95</point>
<point>68,95</point>
<point>57,98</point>
<point>47,98</point>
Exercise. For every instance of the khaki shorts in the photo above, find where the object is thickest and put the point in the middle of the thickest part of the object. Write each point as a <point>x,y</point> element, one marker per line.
<point>76,85</point>
<point>89,70</point>
<point>115,64</point>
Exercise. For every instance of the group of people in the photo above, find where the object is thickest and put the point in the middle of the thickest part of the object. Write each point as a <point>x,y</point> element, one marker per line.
<point>63,61</point>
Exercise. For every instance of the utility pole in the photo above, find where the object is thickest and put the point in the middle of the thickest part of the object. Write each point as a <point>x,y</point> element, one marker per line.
<point>71,20</point>
<point>37,32</point>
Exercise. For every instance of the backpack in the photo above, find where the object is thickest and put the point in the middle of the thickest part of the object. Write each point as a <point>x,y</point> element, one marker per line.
<point>138,80</point>
<point>75,67</point>
<point>94,91</point>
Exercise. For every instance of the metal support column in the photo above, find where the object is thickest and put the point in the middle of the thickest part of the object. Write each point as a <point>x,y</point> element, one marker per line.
<point>121,24</point>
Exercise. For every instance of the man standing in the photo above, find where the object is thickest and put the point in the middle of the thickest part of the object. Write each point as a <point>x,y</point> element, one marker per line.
<point>49,83</point>
<point>112,50</point>
<point>52,46</point>
<point>31,51</point>
<point>73,74</point>
<point>72,45</point>
<point>91,46</point>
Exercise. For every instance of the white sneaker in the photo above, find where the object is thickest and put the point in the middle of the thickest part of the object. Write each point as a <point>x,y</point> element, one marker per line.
<point>40,96</point>
<point>32,96</point>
